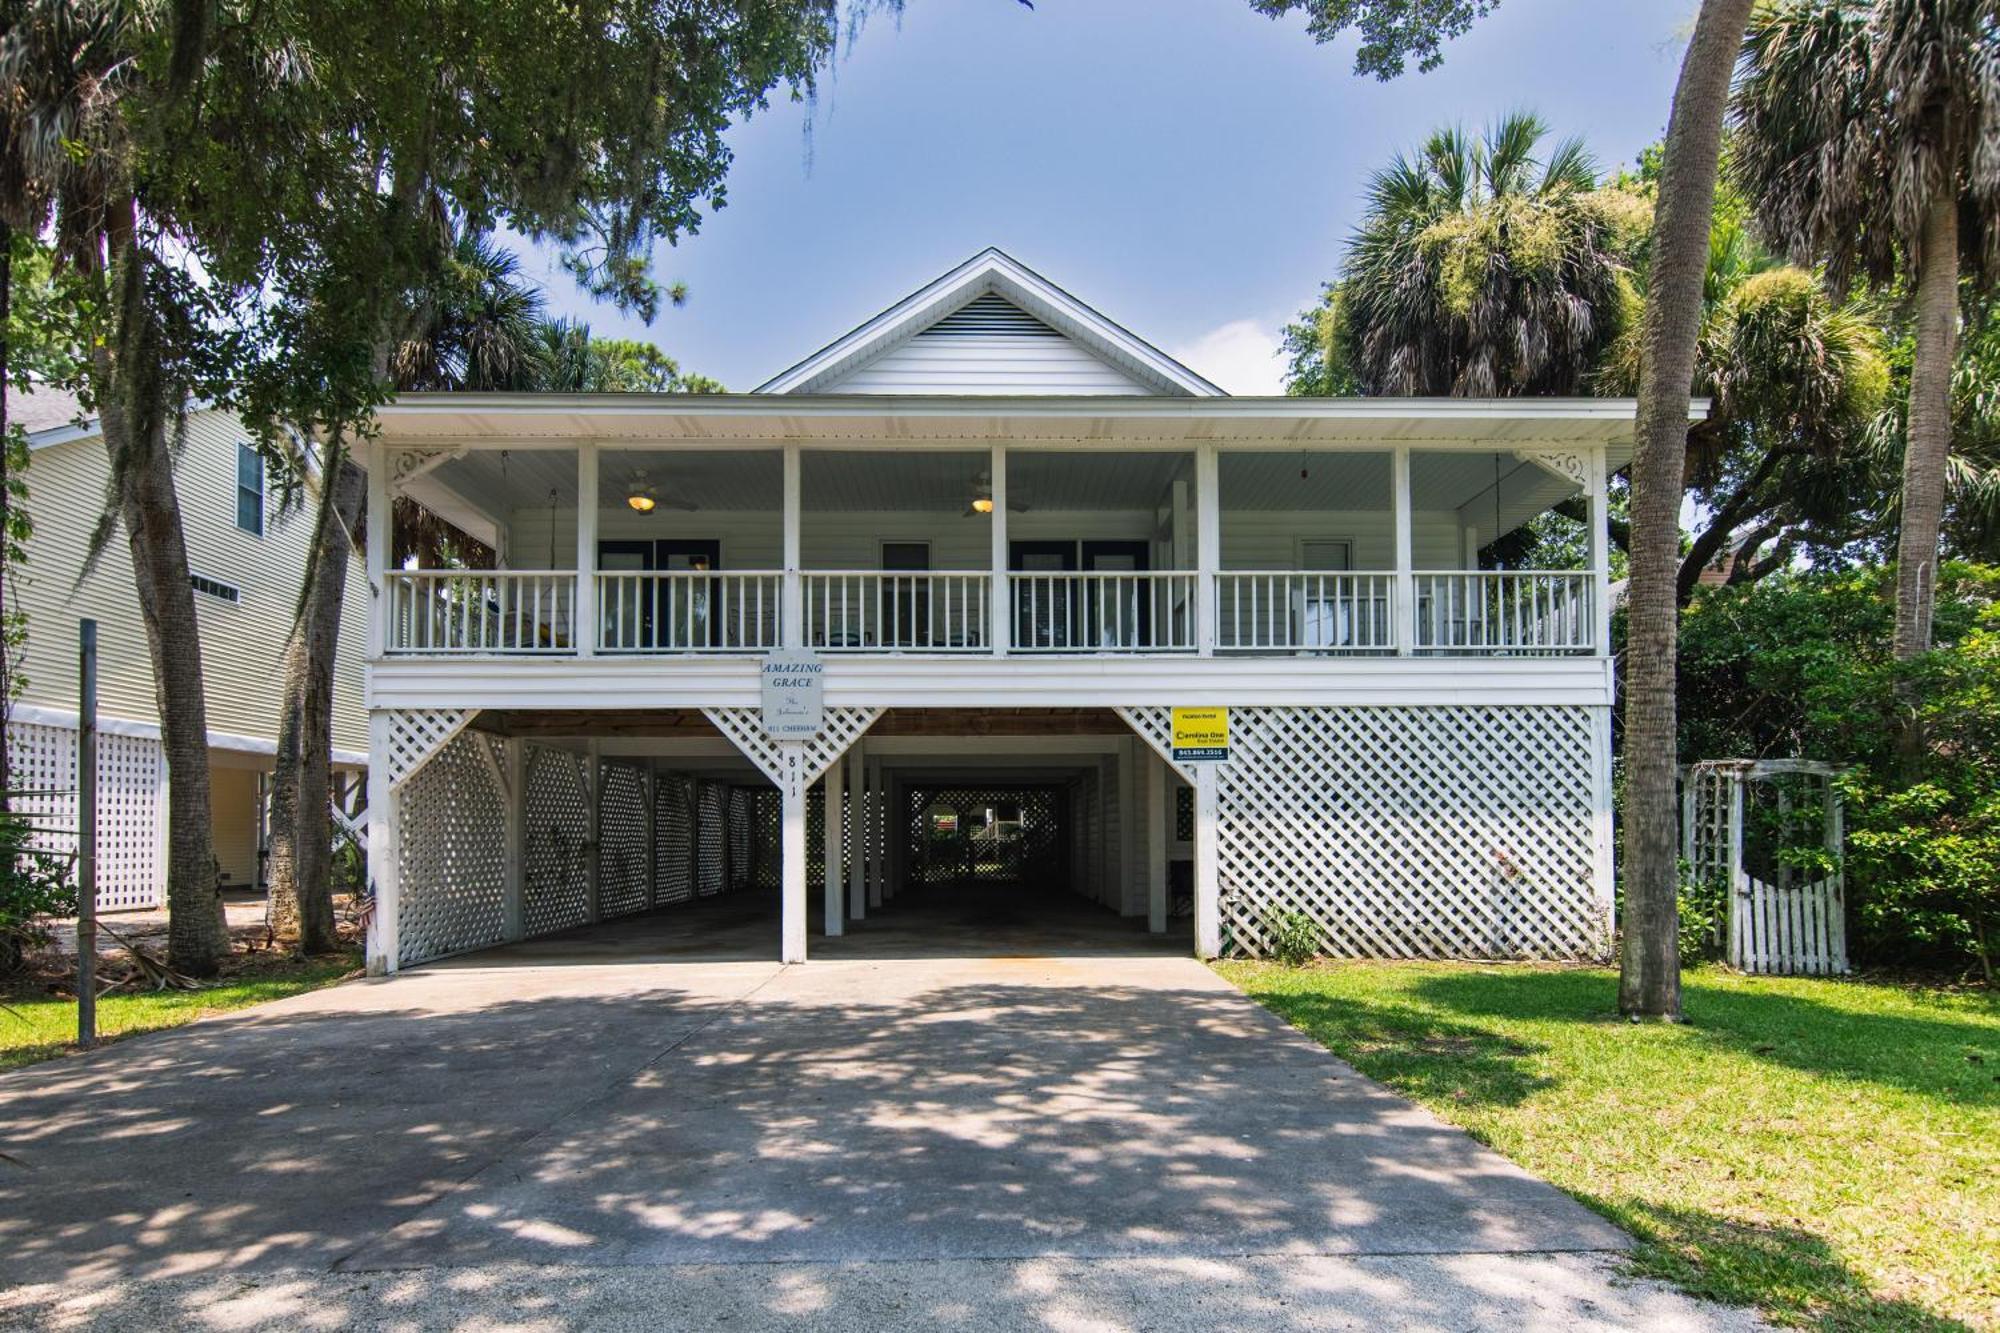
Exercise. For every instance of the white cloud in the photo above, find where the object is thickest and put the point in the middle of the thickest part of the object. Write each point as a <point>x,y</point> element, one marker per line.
<point>1243,356</point>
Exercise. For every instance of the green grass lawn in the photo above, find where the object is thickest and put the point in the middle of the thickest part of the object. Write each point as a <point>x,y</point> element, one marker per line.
<point>1828,1151</point>
<point>41,1026</point>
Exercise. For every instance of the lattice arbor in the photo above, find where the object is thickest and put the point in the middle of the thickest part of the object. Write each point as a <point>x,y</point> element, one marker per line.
<point>1410,832</point>
<point>131,816</point>
<point>1767,835</point>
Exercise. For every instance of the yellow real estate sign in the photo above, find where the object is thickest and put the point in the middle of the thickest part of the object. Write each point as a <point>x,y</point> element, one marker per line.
<point>1201,734</point>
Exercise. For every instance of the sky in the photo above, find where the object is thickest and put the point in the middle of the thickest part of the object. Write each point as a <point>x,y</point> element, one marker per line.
<point>1189,168</point>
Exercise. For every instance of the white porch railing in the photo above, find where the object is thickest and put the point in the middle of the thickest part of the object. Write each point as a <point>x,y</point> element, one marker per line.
<point>1305,612</point>
<point>1150,612</point>
<point>689,611</point>
<point>481,611</point>
<point>1529,612</point>
<point>872,611</point>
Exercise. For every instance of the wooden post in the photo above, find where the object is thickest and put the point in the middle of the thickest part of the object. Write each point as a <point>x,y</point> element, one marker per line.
<point>1207,544</point>
<point>86,829</point>
<point>593,796</point>
<point>1207,864</point>
<point>791,605</point>
<point>1131,804</point>
<point>1600,553</point>
<point>584,632</point>
<point>873,800</point>
<point>1406,581</point>
<point>792,858</point>
<point>833,788</point>
<point>857,882</point>
<point>1159,826</point>
<point>385,836</point>
<point>514,764</point>
<point>1002,626</point>
<point>378,543</point>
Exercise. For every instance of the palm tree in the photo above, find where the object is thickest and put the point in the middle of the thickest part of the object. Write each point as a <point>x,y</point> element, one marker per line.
<point>1481,268</point>
<point>1649,977</point>
<point>477,325</point>
<point>1870,141</point>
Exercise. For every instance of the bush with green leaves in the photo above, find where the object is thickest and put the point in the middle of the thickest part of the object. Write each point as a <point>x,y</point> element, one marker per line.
<point>1800,664</point>
<point>1294,936</point>
<point>35,885</point>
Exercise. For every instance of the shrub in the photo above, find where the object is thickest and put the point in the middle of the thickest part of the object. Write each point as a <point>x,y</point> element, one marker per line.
<point>1294,937</point>
<point>34,885</point>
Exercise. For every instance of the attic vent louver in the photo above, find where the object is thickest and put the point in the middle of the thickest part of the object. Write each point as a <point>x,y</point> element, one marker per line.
<point>990,316</point>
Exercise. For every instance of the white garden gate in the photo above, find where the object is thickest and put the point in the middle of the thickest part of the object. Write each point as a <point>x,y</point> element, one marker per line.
<point>1769,832</point>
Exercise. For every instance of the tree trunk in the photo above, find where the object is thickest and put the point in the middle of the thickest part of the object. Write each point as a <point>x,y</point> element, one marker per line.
<point>1927,444</point>
<point>1649,980</point>
<point>301,889</point>
<point>133,412</point>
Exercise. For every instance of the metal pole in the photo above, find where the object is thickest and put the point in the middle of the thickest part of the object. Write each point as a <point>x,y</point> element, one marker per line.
<point>86,828</point>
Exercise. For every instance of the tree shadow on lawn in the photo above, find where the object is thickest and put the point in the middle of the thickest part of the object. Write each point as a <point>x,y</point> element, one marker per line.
<point>1946,1059</point>
<point>1446,1061</point>
<point>1783,1271</point>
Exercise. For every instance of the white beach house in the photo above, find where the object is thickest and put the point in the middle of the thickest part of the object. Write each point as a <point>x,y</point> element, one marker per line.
<point>1005,538</point>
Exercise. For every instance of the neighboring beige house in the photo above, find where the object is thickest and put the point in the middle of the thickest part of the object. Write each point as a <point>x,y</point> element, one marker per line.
<point>245,558</point>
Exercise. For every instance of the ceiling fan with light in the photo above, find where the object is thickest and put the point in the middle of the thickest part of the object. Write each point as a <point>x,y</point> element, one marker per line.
<point>643,497</point>
<point>982,498</point>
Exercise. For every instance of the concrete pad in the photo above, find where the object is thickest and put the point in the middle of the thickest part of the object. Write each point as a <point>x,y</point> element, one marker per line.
<point>885,1130</point>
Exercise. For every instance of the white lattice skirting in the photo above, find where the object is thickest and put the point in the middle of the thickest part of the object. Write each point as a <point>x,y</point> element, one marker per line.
<point>131,819</point>
<point>1458,832</point>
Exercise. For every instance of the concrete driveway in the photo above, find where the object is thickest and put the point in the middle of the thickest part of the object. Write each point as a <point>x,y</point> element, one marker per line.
<point>1114,1139</point>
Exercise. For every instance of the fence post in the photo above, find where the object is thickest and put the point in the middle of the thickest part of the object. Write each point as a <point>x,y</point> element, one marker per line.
<point>86,827</point>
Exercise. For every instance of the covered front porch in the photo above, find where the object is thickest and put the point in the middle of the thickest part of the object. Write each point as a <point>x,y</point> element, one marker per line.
<point>1082,541</point>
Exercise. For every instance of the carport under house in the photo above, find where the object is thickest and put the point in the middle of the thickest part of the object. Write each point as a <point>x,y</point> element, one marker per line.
<point>1012,537</point>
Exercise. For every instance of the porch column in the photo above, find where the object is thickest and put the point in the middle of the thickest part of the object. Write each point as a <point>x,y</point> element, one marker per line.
<point>378,540</point>
<point>791,607</point>
<point>833,787</point>
<point>385,839</point>
<point>1106,870</point>
<point>857,784</point>
<point>1600,553</point>
<point>1207,863</point>
<point>1159,824</point>
<point>1406,582</point>
<point>593,802</point>
<point>1207,544</point>
<point>1131,802</point>
<point>997,475</point>
<point>583,631</point>
<point>792,859</point>
<point>874,803</point>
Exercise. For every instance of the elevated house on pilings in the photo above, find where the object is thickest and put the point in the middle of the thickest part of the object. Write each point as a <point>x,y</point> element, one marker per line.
<point>1012,538</point>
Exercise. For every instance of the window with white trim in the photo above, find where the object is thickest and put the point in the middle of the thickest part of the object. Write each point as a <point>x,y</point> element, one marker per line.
<point>249,489</point>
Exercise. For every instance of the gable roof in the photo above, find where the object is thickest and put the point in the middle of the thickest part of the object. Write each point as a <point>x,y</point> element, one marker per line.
<point>942,307</point>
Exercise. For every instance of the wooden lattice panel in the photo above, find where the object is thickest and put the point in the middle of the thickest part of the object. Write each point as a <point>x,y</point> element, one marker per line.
<point>554,884</point>
<point>1156,727</point>
<point>622,881</point>
<point>130,819</point>
<point>453,871</point>
<point>673,840</point>
<point>417,734</point>
<point>798,762</point>
<point>711,838</point>
<point>1412,832</point>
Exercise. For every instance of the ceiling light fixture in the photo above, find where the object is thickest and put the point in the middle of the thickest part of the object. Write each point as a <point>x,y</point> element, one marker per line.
<point>983,504</point>
<point>641,502</point>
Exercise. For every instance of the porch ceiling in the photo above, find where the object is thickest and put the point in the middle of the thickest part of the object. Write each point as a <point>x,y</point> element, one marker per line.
<point>903,422</point>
